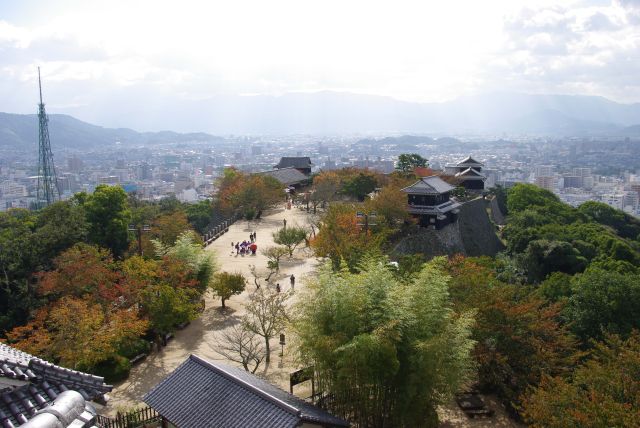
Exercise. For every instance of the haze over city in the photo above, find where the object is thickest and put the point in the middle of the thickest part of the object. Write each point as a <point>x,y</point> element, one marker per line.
<point>156,65</point>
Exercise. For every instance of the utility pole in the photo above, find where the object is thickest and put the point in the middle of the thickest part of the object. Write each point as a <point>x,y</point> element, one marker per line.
<point>139,230</point>
<point>47,191</point>
<point>365,217</point>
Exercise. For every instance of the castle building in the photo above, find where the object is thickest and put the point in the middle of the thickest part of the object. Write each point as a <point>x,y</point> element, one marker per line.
<point>429,201</point>
<point>468,172</point>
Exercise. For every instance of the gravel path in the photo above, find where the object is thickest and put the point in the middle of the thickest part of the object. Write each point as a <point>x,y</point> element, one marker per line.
<point>199,336</point>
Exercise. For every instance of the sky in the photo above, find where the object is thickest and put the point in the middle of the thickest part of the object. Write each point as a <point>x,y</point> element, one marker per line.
<point>422,51</point>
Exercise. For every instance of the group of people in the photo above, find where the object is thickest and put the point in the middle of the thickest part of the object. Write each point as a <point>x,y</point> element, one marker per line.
<point>245,247</point>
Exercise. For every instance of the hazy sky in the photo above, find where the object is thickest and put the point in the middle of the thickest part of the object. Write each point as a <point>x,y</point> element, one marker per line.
<point>416,51</point>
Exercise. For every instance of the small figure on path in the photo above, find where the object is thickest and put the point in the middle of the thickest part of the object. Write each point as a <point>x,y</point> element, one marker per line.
<point>284,221</point>
<point>278,288</point>
<point>254,236</point>
<point>293,281</point>
<point>237,248</point>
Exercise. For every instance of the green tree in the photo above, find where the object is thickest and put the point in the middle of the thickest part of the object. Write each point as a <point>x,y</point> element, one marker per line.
<point>108,215</point>
<point>58,227</point>
<point>166,307</point>
<point>188,249</point>
<point>225,285</point>
<point>200,215</point>
<point>290,237</point>
<point>18,259</point>
<point>360,185</point>
<point>387,352</point>
<point>543,257</point>
<point>407,162</point>
<point>603,301</point>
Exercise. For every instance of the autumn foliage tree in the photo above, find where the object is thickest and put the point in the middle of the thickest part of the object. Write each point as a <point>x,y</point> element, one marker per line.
<point>341,238</point>
<point>520,335</point>
<point>603,391</point>
<point>241,192</point>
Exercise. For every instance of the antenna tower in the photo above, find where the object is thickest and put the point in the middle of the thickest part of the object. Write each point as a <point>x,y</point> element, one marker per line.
<point>48,191</point>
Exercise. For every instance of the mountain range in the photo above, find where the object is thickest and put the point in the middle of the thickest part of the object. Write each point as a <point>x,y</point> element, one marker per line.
<point>329,113</point>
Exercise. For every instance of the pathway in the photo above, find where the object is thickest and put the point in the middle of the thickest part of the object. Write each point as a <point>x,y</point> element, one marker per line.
<point>199,336</point>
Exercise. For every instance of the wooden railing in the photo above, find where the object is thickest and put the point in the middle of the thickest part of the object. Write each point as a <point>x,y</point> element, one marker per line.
<point>144,417</point>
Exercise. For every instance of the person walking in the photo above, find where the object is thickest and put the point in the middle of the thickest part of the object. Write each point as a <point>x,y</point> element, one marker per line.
<point>284,221</point>
<point>278,288</point>
<point>293,281</point>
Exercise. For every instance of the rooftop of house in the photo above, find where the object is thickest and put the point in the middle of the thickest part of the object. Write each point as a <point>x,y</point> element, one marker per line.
<point>432,185</point>
<point>29,384</point>
<point>202,393</point>
<point>295,162</point>
<point>286,176</point>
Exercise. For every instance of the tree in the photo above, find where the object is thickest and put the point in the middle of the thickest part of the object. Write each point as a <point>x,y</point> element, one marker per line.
<point>83,270</point>
<point>167,307</point>
<point>604,301</point>
<point>58,227</point>
<point>325,187</point>
<point>188,249</point>
<point>225,285</point>
<point>519,335</point>
<point>242,346</point>
<point>200,215</point>
<point>274,254</point>
<point>108,215</point>
<point>78,333</point>
<point>543,257</point>
<point>603,391</point>
<point>360,185</point>
<point>267,315</point>
<point>18,259</point>
<point>407,162</point>
<point>340,238</point>
<point>290,237</point>
<point>385,351</point>
<point>390,204</point>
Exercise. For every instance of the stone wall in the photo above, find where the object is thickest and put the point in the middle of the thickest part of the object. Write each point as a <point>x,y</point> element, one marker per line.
<point>473,234</point>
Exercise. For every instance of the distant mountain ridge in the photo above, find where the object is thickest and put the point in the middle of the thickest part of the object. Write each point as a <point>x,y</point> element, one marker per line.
<point>21,130</point>
<point>332,113</point>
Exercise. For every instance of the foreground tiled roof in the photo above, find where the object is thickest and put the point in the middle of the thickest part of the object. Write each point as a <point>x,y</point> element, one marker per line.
<point>201,394</point>
<point>286,176</point>
<point>429,185</point>
<point>295,162</point>
<point>32,384</point>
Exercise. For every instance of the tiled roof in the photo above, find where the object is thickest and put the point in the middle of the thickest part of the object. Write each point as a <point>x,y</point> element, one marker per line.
<point>200,394</point>
<point>469,161</point>
<point>295,162</point>
<point>286,176</point>
<point>35,383</point>
<point>470,173</point>
<point>433,185</point>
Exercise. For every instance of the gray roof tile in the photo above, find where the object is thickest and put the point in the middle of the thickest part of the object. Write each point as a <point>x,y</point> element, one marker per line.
<point>295,162</point>
<point>431,185</point>
<point>42,382</point>
<point>286,176</point>
<point>200,394</point>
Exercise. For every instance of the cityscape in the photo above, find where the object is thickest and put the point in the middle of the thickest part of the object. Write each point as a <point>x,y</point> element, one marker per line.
<point>576,169</point>
<point>320,214</point>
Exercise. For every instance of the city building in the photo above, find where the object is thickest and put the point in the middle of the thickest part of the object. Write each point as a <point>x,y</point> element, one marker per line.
<point>548,183</point>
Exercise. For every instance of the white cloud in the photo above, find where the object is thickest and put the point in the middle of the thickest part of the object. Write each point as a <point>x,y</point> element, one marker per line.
<point>413,50</point>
